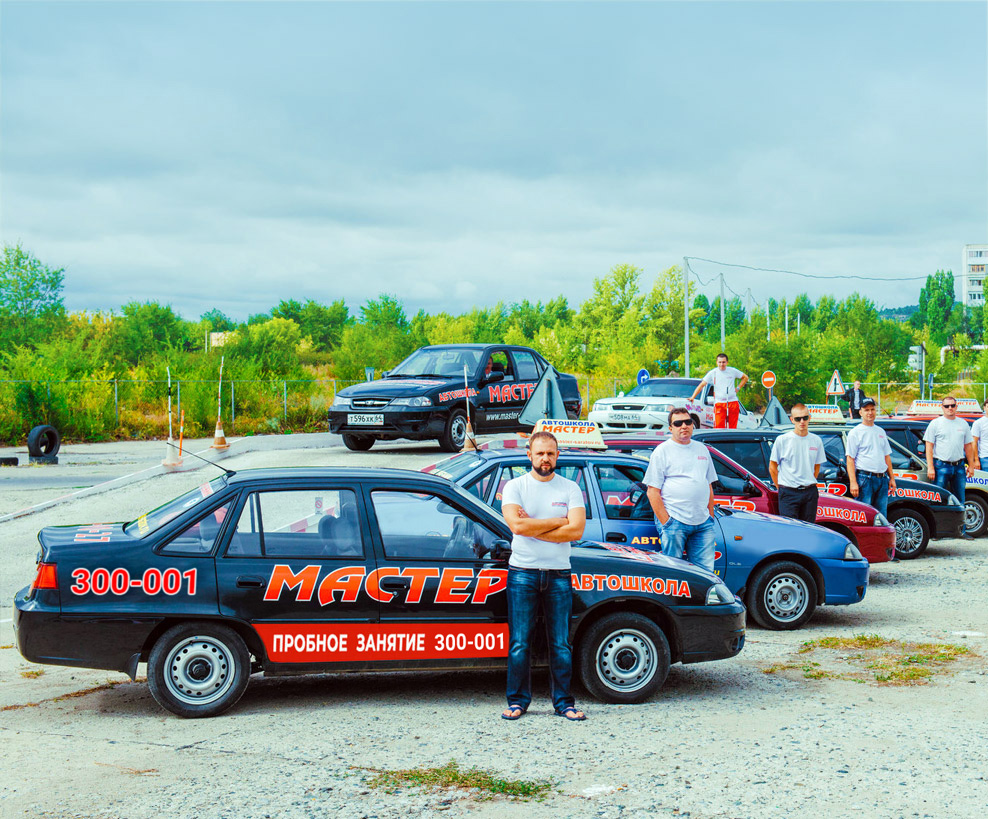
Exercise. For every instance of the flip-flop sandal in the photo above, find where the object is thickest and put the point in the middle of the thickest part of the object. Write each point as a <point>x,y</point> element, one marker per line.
<point>521,712</point>
<point>572,714</point>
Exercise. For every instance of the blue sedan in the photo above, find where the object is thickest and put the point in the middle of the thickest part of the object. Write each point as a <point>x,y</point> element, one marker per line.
<point>781,568</point>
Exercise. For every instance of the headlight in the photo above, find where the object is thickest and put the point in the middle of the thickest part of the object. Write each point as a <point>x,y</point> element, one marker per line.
<point>881,520</point>
<point>851,552</point>
<point>598,406</point>
<point>341,403</point>
<point>718,594</point>
<point>417,401</point>
<point>952,500</point>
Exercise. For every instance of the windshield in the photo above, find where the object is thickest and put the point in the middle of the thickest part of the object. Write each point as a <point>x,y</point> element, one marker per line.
<point>156,518</point>
<point>447,361</point>
<point>664,389</point>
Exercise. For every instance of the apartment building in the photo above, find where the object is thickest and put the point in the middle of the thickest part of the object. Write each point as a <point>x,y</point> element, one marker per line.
<point>972,275</point>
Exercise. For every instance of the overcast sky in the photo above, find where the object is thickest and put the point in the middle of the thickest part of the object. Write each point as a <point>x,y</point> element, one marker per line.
<point>234,154</point>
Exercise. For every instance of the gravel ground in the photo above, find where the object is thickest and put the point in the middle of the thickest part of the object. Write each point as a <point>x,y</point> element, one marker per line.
<point>721,739</point>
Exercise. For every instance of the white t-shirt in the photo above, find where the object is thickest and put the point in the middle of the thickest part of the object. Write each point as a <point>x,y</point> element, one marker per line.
<point>948,438</point>
<point>796,456</point>
<point>541,499</point>
<point>980,431</point>
<point>683,474</point>
<point>868,446</point>
<point>723,383</point>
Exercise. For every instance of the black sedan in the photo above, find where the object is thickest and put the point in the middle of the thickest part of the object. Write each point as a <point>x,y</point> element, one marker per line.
<point>425,396</point>
<point>293,571</point>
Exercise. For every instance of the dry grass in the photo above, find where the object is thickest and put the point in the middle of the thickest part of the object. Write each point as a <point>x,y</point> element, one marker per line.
<point>868,658</point>
<point>33,673</point>
<point>451,775</point>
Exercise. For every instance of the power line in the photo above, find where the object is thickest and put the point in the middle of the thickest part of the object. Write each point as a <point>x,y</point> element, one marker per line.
<point>808,275</point>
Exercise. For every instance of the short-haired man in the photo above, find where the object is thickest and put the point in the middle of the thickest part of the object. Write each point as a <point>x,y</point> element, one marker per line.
<point>545,512</point>
<point>722,378</point>
<point>794,466</point>
<point>855,398</point>
<point>679,477</point>
<point>869,460</point>
<point>979,431</point>
<point>950,443</point>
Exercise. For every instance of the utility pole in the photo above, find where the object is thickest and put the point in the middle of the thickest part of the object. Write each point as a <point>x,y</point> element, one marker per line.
<point>787,322</point>
<point>722,311</point>
<point>768,320</point>
<point>686,317</point>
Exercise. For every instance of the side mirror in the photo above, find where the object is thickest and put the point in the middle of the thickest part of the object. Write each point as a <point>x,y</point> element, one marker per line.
<point>750,490</point>
<point>709,400</point>
<point>494,376</point>
<point>385,373</point>
<point>500,549</point>
<point>621,394</point>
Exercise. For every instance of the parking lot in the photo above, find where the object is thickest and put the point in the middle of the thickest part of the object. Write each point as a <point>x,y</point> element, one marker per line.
<point>721,739</point>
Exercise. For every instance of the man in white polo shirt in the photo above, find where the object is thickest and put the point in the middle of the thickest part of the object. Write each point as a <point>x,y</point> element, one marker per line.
<point>679,477</point>
<point>950,449</point>
<point>979,431</point>
<point>794,466</point>
<point>726,406</point>
<point>869,460</point>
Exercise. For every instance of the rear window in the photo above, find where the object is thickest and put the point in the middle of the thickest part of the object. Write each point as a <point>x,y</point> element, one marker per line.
<point>455,467</point>
<point>156,518</point>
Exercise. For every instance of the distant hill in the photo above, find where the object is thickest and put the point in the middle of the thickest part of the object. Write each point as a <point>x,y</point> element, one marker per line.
<point>899,313</point>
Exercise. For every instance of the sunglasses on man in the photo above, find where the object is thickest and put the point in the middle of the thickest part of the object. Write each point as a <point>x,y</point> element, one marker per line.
<point>949,406</point>
<point>681,422</point>
<point>801,418</point>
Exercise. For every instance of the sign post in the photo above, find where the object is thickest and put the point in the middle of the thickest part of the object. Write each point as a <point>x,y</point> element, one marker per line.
<point>835,386</point>
<point>768,382</point>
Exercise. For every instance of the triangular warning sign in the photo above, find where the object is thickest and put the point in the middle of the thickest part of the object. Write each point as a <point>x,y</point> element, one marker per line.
<point>835,386</point>
<point>545,402</point>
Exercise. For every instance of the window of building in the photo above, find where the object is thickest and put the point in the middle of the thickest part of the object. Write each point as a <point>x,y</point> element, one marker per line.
<point>977,268</point>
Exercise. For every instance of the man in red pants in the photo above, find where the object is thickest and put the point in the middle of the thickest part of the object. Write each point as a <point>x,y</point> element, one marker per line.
<point>722,378</point>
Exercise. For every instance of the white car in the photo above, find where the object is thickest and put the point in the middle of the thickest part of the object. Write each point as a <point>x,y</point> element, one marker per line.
<point>647,406</point>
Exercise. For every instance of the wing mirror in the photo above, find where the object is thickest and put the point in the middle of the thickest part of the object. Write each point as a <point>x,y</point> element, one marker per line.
<point>500,550</point>
<point>494,376</point>
<point>750,490</point>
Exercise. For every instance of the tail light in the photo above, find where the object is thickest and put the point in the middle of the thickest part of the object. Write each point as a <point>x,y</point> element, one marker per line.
<point>47,577</point>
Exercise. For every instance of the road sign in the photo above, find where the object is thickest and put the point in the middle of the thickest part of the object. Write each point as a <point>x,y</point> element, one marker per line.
<point>835,386</point>
<point>643,376</point>
<point>768,379</point>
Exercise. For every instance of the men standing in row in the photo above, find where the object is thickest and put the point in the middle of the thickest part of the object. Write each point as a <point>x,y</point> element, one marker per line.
<point>979,429</point>
<point>679,477</point>
<point>855,398</point>
<point>795,465</point>
<point>950,443</point>
<point>726,406</point>
<point>869,460</point>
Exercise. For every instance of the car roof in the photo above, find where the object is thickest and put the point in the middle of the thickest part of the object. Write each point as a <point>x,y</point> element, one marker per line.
<point>673,380</point>
<point>475,346</point>
<point>308,473</point>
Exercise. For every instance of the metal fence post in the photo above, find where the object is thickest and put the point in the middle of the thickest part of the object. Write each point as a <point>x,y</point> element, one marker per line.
<point>116,403</point>
<point>233,404</point>
<point>178,390</point>
<point>284,397</point>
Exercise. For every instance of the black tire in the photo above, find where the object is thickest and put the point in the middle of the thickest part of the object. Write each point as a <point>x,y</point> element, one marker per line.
<point>912,533</point>
<point>358,443</point>
<point>43,440</point>
<point>455,434</point>
<point>975,514</point>
<point>782,596</point>
<point>623,658</point>
<point>198,669</point>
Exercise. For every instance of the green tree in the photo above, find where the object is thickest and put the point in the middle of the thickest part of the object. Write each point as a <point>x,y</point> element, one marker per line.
<point>146,328</point>
<point>218,321</point>
<point>936,303</point>
<point>384,313</point>
<point>273,346</point>
<point>31,305</point>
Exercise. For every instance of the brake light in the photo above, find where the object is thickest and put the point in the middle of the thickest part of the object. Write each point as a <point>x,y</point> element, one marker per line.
<point>47,577</point>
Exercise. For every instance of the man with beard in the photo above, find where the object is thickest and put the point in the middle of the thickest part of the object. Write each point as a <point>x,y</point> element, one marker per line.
<point>679,477</point>
<point>545,512</point>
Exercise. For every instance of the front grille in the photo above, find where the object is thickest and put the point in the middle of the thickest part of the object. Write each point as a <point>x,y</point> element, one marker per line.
<point>370,403</point>
<point>629,407</point>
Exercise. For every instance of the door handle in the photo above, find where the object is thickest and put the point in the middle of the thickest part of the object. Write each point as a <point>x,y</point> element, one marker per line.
<point>615,537</point>
<point>394,583</point>
<point>249,582</point>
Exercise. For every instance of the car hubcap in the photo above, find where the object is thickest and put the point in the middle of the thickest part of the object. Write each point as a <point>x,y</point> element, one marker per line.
<point>458,430</point>
<point>974,516</point>
<point>908,535</point>
<point>626,660</point>
<point>786,597</point>
<point>199,670</point>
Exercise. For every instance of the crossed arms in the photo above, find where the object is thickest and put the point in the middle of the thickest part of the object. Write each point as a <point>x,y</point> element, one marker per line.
<point>551,530</point>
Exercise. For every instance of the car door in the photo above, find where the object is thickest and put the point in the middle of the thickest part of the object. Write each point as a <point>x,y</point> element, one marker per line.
<point>439,582</point>
<point>627,515</point>
<point>751,452</point>
<point>501,400</point>
<point>295,568</point>
<point>833,477</point>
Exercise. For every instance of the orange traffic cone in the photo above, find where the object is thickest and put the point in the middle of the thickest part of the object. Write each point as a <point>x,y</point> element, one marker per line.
<point>470,443</point>
<point>219,439</point>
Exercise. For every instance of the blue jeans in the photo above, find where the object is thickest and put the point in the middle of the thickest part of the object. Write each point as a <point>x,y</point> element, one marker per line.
<point>874,491</point>
<point>951,477</point>
<point>698,540</point>
<point>526,588</point>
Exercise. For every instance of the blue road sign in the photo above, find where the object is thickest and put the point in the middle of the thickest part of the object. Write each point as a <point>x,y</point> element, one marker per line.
<point>643,376</point>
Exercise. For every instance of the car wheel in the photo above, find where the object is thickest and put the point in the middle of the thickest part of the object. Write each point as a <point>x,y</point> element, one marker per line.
<point>912,534</point>
<point>455,435</point>
<point>358,443</point>
<point>782,596</point>
<point>623,658</point>
<point>198,669</point>
<point>975,515</point>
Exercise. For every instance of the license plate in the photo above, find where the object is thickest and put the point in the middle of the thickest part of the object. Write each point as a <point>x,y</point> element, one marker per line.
<point>359,419</point>
<point>625,416</point>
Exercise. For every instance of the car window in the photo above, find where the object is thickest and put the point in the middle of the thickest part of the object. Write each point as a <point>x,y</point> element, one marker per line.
<point>156,518</point>
<point>747,453</point>
<point>479,486</point>
<point>420,525</point>
<point>298,523</point>
<point>618,486</point>
<point>201,536</point>
<point>501,364</point>
<point>729,480</point>
<point>902,458</point>
<point>573,472</point>
<point>833,445</point>
<point>526,367</point>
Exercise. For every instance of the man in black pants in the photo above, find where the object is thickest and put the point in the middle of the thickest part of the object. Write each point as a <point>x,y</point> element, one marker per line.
<point>794,466</point>
<point>854,397</point>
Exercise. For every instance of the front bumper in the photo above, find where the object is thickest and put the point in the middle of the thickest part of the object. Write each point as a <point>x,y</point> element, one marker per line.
<point>711,632</point>
<point>413,423</point>
<point>844,581</point>
<point>646,420</point>
<point>948,521</point>
<point>876,543</point>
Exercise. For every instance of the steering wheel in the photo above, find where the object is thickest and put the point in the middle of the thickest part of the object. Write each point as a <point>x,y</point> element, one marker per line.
<point>461,539</point>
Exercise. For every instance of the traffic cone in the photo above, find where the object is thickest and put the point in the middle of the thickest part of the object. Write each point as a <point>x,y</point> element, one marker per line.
<point>469,444</point>
<point>219,439</point>
<point>172,459</point>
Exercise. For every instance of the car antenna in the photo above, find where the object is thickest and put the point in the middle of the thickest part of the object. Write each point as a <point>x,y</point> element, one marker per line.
<point>224,470</point>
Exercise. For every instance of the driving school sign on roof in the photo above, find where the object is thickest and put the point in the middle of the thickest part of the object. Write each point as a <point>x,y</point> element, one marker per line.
<point>573,433</point>
<point>825,413</point>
